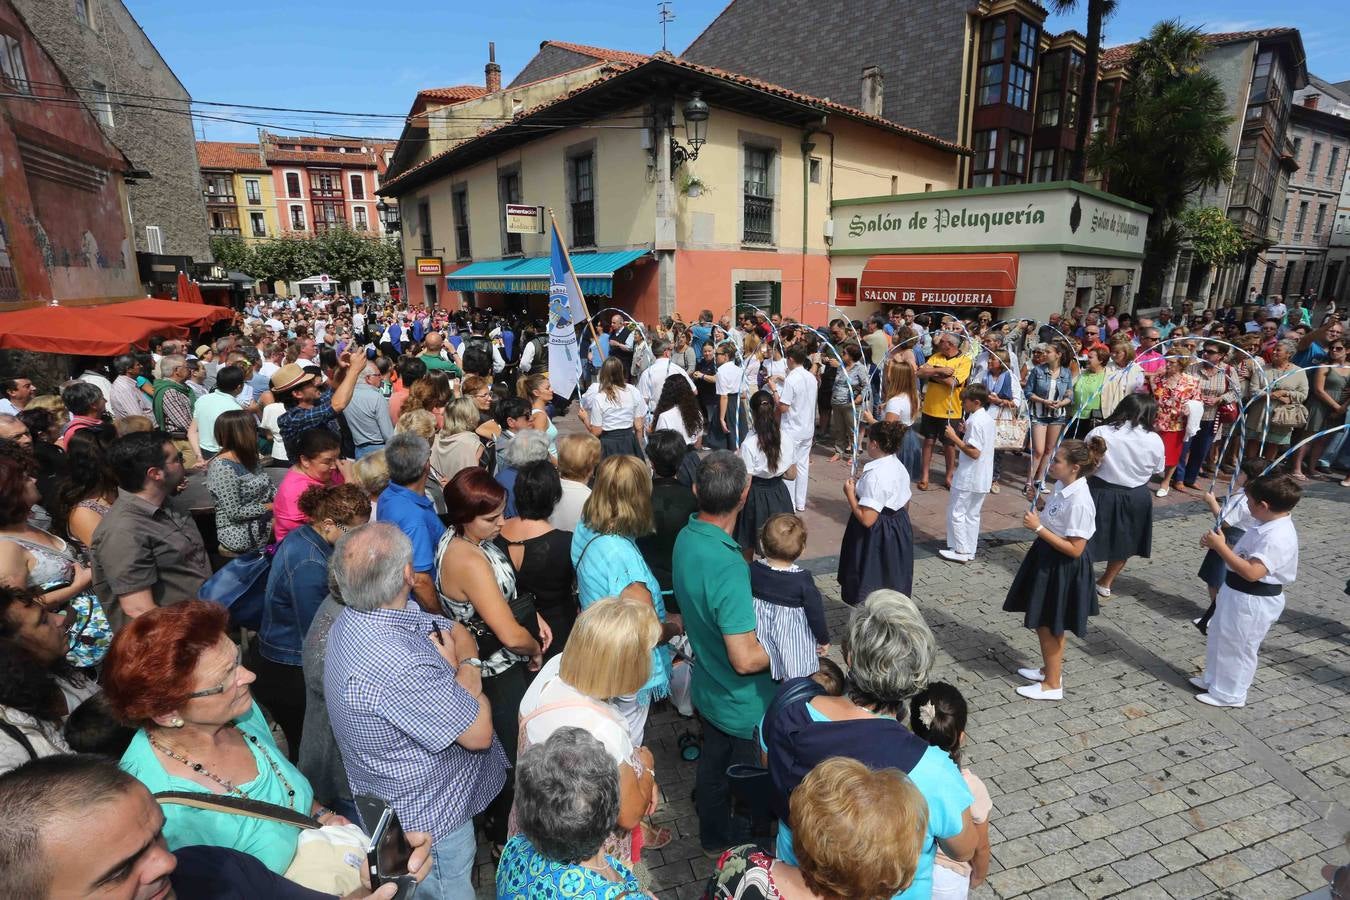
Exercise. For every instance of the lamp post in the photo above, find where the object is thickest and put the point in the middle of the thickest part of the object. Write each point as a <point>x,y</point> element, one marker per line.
<point>696,113</point>
<point>393,230</point>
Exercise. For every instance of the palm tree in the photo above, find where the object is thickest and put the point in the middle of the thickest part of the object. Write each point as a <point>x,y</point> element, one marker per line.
<point>1098,11</point>
<point>1171,142</point>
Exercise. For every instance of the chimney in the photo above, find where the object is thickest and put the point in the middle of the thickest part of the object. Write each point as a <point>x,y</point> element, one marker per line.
<point>873,86</point>
<point>492,70</point>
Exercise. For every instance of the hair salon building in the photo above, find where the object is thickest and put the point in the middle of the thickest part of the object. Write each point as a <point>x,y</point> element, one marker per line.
<point>1025,251</point>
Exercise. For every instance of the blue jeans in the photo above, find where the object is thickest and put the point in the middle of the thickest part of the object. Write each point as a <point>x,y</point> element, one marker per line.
<point>451,876</point>
<point>364,451</point>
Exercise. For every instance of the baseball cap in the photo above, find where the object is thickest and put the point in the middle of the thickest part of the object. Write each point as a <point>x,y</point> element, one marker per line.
<point>289,376</point>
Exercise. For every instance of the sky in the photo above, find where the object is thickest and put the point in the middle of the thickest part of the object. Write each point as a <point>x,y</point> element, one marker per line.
<point>357,56</point>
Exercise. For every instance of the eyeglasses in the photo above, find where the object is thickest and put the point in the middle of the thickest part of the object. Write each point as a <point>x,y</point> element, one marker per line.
<point>230,678</point>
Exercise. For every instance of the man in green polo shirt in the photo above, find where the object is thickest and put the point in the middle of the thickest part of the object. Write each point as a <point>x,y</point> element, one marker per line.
<point>731,685</point>
<point>431,355</point>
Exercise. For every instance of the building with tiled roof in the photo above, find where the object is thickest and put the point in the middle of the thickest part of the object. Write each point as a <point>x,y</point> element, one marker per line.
<point>231,156</point>
<point>237,185</point>
<point>328,182</point>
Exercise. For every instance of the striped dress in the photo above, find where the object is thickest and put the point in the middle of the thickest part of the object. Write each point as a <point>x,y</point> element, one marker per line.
<point>789,619</point>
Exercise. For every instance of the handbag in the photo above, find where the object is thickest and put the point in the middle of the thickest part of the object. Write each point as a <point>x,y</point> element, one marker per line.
<point>522,610</point>
<point>1290,415</point>
<point>241,587</point>
<point>328,858</point>
<point>1010,429</point>
<point>1228,413</point>
<point>752,786</point>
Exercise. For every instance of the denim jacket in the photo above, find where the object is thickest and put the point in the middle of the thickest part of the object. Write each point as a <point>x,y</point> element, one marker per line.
<point>1038,384</point>
<point>296,587</point>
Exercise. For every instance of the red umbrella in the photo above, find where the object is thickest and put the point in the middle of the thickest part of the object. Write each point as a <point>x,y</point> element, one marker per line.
<point>193,315</point>
<point>85,330</point>
<point>184,288</point>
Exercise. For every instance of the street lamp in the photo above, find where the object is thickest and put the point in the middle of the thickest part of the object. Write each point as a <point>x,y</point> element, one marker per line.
<point>696,113</point>
<point>389,217</point>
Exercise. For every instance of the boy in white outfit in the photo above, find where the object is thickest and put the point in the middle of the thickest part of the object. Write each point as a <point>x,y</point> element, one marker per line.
<point>974,474</point>
<point>1263,561</point>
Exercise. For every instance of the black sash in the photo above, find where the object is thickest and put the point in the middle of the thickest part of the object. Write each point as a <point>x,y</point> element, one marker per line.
<point>1255,588</point>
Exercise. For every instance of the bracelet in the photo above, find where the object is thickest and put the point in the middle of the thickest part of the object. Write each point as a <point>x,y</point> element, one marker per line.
<point>1039,529</point>
<point>322,811</point>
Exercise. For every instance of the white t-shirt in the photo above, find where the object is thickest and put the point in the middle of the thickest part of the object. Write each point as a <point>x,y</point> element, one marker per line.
<point>799,394</point>
<point>1133,455</point>
<point>270,418</point>
<point>900,407</point>
<point>1274,544</point>
<point>757,464</point>
<point>653,380</point>
<point>1069,511</point>
<point>1236,513</point>
<point>616,414</point>
<point>884,484</point>
<point>728,378</point>
<point>672,419</point>
<point>977,475</point>
<point>548,687</point>
<point>775,368</point>
<point>567,513</point>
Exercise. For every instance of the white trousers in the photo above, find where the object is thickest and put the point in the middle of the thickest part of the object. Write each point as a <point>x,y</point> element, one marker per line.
<point>1240,624</point>
<point>949,885</point>
<point>963,520</point>
<point>801,458</point>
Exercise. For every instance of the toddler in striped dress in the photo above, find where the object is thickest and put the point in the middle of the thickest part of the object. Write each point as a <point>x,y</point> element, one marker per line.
<point>789,613</point>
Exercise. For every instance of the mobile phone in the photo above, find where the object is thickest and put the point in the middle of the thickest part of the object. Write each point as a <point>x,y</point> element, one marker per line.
<point>387,858</point>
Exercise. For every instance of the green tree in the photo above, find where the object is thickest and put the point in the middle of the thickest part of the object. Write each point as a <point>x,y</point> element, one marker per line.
<point>1171,142</point>
<point>1098,11</point>
<point>287,258</point>
<point>233,254</point>
<point>387,259</point>
<point>344,255</point>
<point>1215,239</point>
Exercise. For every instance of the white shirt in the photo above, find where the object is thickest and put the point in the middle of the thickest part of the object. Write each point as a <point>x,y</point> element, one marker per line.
<point>729,377</point>
<point>267,369</point>
<point>1133,455</point>
<point>799,395</point>
<point>884,484</point>
<point>275,324</point>
<point>751,380</point>
<point>1236,513</point>
<point>7,408</point>
<point>1069,511</point>
<point>567,513</point>
<point>270,418</point>
<point>100,382</point>
<point>672,420</point>
<point>616,414</point>
<point>653,379</point>
<point>976,475</point>
<point>900,407</point>
<point>775,368</point>
<point>549,688</point>
<point>1275,545</point>
<point>757,464</point>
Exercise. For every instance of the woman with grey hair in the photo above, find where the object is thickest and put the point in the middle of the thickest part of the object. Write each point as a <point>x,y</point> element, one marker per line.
<point>889,651</point>
<point>1285,387</point>
<point>567,800</point>
<point>526,446</point>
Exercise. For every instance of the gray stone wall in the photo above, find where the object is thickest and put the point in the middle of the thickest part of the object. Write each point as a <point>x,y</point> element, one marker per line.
<point>550,61</point>
<point>821,49</point>
<point>116,53</point>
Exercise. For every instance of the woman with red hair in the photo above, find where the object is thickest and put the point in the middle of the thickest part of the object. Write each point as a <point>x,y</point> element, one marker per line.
<point>175,675</point>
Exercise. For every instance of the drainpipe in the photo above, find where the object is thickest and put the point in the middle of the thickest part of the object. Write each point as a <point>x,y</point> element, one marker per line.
<point>807,146</point>
<point>665,243</point>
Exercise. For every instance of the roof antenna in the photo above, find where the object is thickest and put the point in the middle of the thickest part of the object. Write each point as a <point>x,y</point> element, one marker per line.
<point>666,18</point>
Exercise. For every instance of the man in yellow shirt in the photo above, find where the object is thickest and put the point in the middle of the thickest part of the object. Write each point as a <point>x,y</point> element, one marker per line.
<point>946,370</point>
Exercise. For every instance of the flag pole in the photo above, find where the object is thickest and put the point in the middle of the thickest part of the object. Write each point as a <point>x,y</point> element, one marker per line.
<point>595,338</point>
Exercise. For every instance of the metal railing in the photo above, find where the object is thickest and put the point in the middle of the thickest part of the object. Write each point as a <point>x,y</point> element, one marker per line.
<point>758,220</point>
<point>583,223</point>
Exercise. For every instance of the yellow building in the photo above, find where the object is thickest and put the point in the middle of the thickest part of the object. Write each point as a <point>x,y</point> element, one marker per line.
<point>240,198</point>
<point>664,212</point>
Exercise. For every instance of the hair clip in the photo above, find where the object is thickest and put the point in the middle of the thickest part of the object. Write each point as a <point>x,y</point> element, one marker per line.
<point>927,713</point>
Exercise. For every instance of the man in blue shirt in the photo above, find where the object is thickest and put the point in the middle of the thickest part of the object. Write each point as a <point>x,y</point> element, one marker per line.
<point>1312,348</point>
<point>701,332</point>
<point>405,503</point>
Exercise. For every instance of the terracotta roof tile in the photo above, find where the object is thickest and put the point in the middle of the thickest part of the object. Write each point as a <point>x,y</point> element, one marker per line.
<point>229,155</point>
<point>1114,57</point>
<point>453,94</point>
<point>602,53</point>
<point>311,157</point>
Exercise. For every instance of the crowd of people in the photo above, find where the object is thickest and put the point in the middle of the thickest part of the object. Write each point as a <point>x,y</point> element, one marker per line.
<point>335,551</point>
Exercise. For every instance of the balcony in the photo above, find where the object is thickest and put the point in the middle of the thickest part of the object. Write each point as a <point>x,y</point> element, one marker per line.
<point>327,225</point>
<point>217,199</point>
<point>325,193</point>
<point>224,232</point>
<point>758,220</point>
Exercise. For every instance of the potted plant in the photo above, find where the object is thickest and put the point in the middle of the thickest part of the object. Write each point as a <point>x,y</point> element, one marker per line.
<point>692,186</point>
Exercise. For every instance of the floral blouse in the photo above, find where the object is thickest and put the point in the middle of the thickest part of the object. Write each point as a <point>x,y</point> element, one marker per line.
<point>1172,395</point>
<point>743,873</point>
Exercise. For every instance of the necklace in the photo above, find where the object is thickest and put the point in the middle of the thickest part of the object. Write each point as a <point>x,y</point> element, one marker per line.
<point>229,787</point>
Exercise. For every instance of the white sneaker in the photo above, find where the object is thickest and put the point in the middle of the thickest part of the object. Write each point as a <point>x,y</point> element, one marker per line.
<point>1102,591</point>
<point>1161,492</point>
<point>953,556</point>
<point>1032,674</point>
<point>1198,681</point>
<point>1211,700</point>
<point>1041,692</point>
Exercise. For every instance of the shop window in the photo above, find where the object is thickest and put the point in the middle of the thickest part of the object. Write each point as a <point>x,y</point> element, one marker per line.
<point>846,292</point>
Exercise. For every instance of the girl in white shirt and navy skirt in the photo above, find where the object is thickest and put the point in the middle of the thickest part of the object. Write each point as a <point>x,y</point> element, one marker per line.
<point>1134,454</point>
<point>615,412</point>
<point>878,547</point>
<point>768,463</point>
<point>1053,586</point>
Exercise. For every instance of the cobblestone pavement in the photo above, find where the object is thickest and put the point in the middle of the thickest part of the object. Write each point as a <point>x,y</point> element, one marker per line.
<point>1129,787</point>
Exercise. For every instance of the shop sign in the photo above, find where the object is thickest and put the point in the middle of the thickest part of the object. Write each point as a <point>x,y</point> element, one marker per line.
<point>522,219</point>
<point>429,265</point>
<point>1014,218</point>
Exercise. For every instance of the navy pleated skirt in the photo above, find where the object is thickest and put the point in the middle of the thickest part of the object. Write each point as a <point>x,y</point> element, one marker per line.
<point>767,498</point>
<point>620,441</point>
<point>878,557</point>
<point>1124,521</point>
<point>1053,590</point>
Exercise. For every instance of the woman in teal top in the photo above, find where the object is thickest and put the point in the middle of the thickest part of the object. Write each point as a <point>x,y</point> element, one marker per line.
<point>538,392</point>
<point>175,673</point>
<point>1087,393</point>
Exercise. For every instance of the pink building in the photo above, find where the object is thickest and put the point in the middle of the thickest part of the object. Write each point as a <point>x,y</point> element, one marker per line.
<point>324,183</point>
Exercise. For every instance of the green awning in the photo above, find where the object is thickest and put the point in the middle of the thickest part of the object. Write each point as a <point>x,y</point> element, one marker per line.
<point>530,275</point>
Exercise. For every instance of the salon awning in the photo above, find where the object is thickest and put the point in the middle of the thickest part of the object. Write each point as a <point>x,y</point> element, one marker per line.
<point>941,279</point>
<point>530,275</point>
<point>79,330</point>
<point>193,315</point>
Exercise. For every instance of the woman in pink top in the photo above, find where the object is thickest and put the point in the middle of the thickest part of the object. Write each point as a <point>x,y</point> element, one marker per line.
<point>316,463</point>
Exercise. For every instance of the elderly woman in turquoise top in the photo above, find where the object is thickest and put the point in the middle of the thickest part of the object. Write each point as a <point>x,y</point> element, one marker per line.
<point>175,674</point>
<point>609,564</point>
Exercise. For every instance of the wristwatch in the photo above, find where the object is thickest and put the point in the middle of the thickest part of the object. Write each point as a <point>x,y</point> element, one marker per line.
<point>471,661</point>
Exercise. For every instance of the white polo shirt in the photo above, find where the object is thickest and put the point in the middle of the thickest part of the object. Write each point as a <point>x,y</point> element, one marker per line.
<point>799,394</point>
<point>976,475</point>
<point>1133,455</point>
<point>884,484</point>
<point>1069,511</point>
<point>1274,544</point>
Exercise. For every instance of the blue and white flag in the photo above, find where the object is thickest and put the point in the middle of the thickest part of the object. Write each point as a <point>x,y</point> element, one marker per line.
<point>566,310</point>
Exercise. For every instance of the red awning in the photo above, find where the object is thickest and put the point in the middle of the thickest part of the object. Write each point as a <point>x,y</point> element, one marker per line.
<point>941,279</point>
<point>193,315</point>
<point>78,330</point>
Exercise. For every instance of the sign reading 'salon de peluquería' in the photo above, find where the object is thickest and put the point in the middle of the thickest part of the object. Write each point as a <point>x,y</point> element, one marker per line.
<point>1020,217</point>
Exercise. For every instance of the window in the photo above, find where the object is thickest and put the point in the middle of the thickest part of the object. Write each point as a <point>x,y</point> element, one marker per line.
<point>1019,87</point>
<point>460,201</point>
<point>11,64</point>
<point>297,217</point>
<point>259,223</point>
<point>1331,163</point>
<point>225,222</point>
<point>758,197</point>
<point>1027,36</point>
<point>360,218</point>
<point>102,103</point>
<point>154,239</point>
<point>1313,159</point>
<point>329,214</point>
<point>1015,162</point>
<point>358,187</point>
<point>219,188</point>
<point>293,185</point>
<point>508,191</point>
<point>1301,221</point>
<point>326,185</point>
<point>1321,220</point>
<point>1043,165</point>
<point>763,295</point>
<point>986,158</point>
<point>424,225</point>
<point>846,292</point>
<point>990,88</point>
<point>83,13</point>
<point>995,35</point>
<point>252,190</point>
<point>813,170</point>
<point>1298,147</point>
<point>582,180</point>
